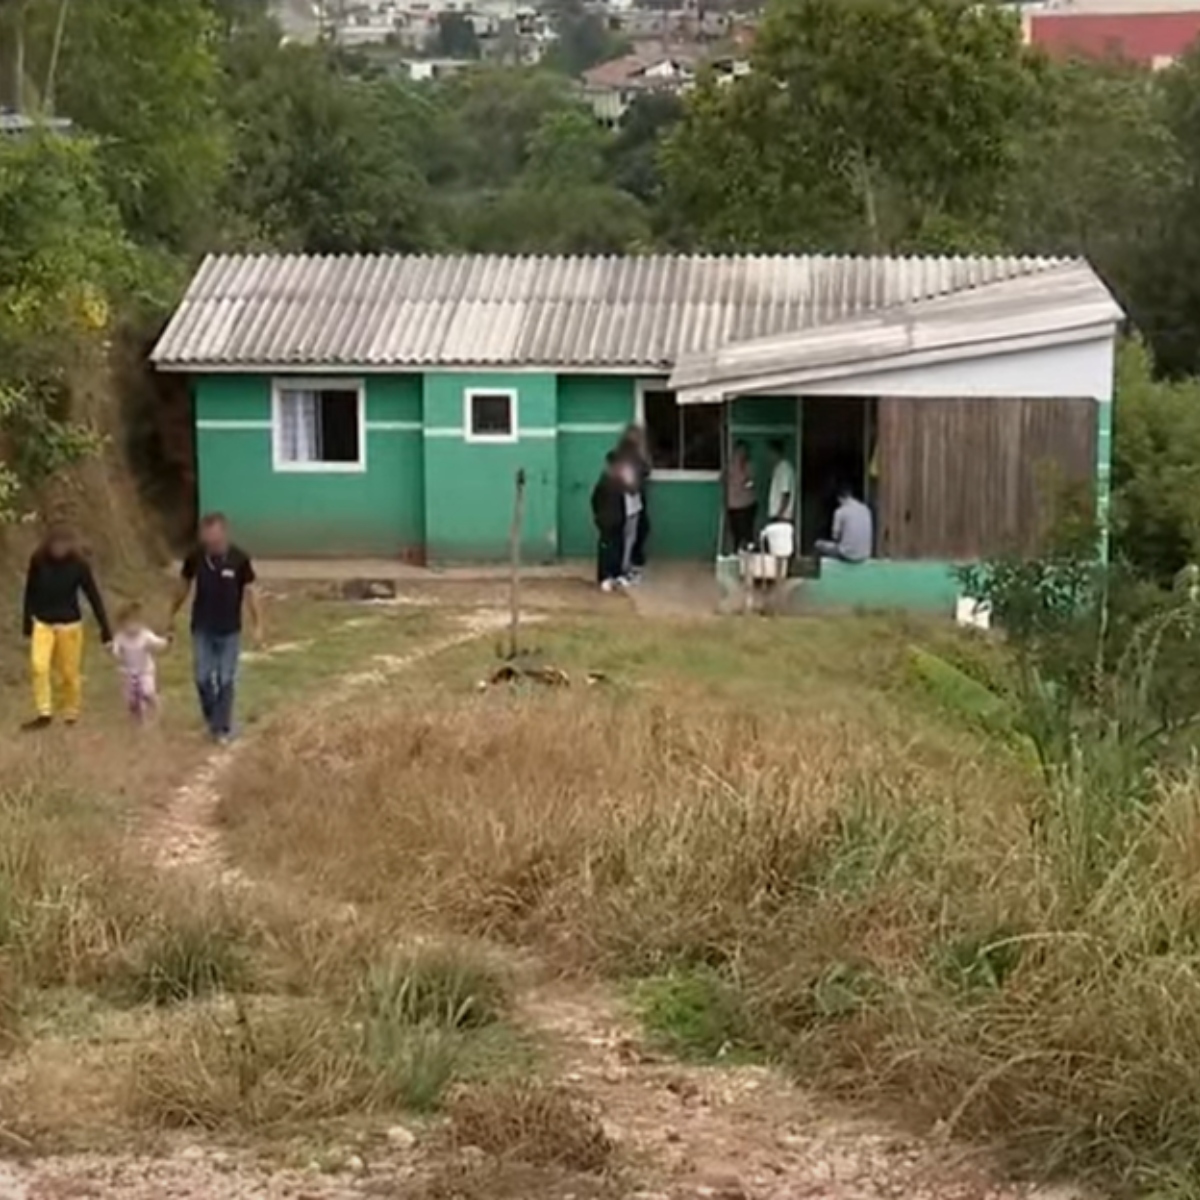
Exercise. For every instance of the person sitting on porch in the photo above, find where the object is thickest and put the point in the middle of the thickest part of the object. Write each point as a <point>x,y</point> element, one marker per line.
<point>853,530</point>
<point>781,501</point>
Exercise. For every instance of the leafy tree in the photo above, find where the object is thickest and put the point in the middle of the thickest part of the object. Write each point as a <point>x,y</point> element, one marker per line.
<point>566,149</point>
<point>145,79</point>
<point>63,261</point>
<point>484,121</point>
<point>325,164</point>
<point>456,36</point>
<point>583,41</point>
<point>874,125</point>
<point>1156,468</point>
<point>1165,270</point>
<point>633,153</point>
<point>1095,176</point>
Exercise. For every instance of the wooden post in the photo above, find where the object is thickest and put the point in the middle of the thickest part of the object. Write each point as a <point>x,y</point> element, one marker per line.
<point>514,551</point>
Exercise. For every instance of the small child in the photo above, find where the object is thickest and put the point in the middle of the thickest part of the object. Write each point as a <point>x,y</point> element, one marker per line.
<point>134,647</point>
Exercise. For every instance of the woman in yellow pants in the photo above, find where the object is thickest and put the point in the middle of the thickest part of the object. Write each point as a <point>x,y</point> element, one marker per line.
<point>58,574</point>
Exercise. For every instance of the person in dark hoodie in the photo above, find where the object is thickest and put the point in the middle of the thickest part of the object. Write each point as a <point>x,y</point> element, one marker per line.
<point>53,623</point>
<point>608,512</point>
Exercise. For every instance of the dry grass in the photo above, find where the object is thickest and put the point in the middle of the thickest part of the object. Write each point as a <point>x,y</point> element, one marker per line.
<point>533,1123</point>
<point>856,876</point>
<point>406,1029</point>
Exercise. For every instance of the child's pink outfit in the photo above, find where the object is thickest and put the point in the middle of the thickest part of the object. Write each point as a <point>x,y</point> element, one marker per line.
<point>134,651</point>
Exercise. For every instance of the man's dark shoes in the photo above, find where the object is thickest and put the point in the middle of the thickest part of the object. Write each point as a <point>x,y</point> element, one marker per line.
<point>37,725</point>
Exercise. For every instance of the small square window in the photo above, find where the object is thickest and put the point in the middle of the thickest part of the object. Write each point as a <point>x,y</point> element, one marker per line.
<point>491,416</point>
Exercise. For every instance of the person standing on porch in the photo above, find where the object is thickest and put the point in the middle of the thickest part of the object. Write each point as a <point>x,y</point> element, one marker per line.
<point>53,623</point>
<point>781,501</point>
<point>741,500</point>
<point>222,577</point>
<point>633,450</point>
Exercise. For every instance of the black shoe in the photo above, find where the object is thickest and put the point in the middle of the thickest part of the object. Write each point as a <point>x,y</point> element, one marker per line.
<point>37,724</point>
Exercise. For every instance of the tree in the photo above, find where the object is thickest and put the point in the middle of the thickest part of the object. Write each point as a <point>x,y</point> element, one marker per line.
<point>1096,175</point>
<point>64,260</point>
<point>456,36</point>
<point>1156,468</point>
<point>583,41</point>
<point>145,79</point>
<point>633,154</point>
<point>873,125</point>
<point>484,122</point>
<point>1164,270</point>
<point>326,164</point>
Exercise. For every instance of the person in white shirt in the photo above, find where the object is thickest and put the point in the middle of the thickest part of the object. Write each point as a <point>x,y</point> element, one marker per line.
<point>781,501</point>
<point>134,648</point>
<point>853,530</point>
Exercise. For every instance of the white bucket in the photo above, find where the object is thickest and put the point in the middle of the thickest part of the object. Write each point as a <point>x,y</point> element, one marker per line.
<point>779,538</point>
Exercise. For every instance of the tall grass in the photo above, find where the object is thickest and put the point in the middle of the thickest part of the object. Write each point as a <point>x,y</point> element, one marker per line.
<point>893,920</point>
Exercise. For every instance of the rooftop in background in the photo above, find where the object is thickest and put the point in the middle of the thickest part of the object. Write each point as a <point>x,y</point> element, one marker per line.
<point>14,123</point>
<point>594,313</point>
<point>1151,32</point>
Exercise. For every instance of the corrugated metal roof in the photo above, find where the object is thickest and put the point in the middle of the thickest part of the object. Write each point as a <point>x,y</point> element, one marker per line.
<point>647,312</point>
<point>1064,304</point>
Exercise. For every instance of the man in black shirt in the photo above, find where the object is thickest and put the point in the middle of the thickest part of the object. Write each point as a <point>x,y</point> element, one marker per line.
<point>222,578</point>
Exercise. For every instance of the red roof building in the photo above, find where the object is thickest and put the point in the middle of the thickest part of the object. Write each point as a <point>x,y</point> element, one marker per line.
<point>1154,35</point>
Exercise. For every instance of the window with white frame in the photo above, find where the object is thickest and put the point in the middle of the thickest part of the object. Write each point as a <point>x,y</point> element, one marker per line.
<point>680,437</point>
<point>318,427</point>
<point>490,415</point>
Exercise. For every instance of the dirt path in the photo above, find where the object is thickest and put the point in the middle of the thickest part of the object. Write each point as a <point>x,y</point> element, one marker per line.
<point>740,1132</point>
<point>686,1132</point>
<point>185,832</point>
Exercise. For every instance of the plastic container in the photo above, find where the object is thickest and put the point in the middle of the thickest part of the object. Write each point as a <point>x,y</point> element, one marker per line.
<point>779,539</point>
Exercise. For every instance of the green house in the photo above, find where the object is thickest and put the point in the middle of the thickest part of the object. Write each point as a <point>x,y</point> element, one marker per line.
<point>381,406</point>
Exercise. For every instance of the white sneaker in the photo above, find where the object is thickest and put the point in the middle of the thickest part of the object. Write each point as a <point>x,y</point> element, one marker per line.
<point>608,585</point>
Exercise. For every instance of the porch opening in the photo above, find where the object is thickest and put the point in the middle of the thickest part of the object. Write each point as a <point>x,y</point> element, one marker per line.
<point>837,442</point>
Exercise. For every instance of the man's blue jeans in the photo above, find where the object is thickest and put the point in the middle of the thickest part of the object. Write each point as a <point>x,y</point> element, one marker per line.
<point>215,658</point>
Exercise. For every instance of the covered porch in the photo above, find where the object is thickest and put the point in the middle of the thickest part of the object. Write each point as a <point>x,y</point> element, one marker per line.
<point>957,419</point>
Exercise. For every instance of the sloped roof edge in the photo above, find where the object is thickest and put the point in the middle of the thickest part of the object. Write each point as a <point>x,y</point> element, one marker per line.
<point>1067,303</point>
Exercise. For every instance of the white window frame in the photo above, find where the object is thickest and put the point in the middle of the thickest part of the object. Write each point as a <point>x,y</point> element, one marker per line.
<point>502,439</point>
<point>666,474</point>
<point>319,384</point>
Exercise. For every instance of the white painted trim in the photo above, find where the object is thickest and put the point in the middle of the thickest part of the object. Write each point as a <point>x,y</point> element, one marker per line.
<point>394,426</point>
<point>443,431</point>
<point>675,476</point>
<point>298,384</point>
<point>527,434</point>
<point>221,423</point>
<point>495,439</point>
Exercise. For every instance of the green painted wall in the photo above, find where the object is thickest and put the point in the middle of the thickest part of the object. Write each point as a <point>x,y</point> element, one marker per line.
<point>376,512</point>
<point>924,586</point>
<point>756,421</point>
<point>469,486</point>
<point>593,411</point>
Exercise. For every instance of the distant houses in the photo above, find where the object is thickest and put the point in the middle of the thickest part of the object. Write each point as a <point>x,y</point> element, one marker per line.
<point>612,87</point>
<point>1153,33</point>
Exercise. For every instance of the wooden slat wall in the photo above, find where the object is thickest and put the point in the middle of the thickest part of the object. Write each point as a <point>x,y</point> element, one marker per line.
<point>964,479</point>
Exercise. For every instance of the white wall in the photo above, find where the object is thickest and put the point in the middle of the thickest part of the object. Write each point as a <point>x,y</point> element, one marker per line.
<point>1053,372</point>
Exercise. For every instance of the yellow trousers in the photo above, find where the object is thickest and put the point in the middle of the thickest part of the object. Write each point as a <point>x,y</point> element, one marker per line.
<point>57,650</point>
